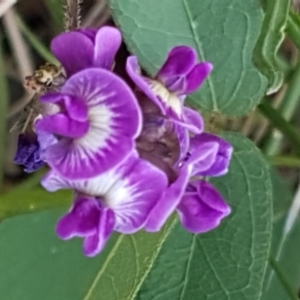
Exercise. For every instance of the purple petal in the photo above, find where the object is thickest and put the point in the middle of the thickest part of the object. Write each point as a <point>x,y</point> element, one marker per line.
<point>114,122</point>
<point>76,108</point>
<point>134,72</point>
<point>81,221</point>
<point>62,125</point>
<point>179,62</point>
<point>124,189</point>
<point>201,155</point>
<point>202,211</point>
<point>45,140</point>
<point>107,42</point>
<point>183,139</point>
<point>93,244</point>
<point>191,120</point>
<point>196,77</point>
<point>52,98</point>
<point>133,207</point>
<point>74,50</point>
<point>96,186</point>
<point>168,203</point>
<point>73,106</point>
<point>89,32</point>
<point>221,162</point>
<point>169,103</point>
<point>87,219</point>
<point>28,152</point>
<point>27,145</point>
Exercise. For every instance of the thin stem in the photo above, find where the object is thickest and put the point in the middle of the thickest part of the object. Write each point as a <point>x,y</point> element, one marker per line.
<point>293,28</point>
<point>292,95</point>
<point>287,161</point>
<point>286,108</point>
<point>94,13</point>
<point>281,124</point>
<point>264,124</point>
<point>282,279</point>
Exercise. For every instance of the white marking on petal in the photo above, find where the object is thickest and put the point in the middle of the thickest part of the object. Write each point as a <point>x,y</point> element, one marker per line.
<point>97,186</point>
<point>120,191</point>
<point>101,122</point>
<point>169,98</point>
<point>123,198</point>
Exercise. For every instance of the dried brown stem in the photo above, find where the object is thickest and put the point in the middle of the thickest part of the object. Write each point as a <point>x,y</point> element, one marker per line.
<point>103,18</point>
<point>5,5</point>
<point>98,9</point>
<point>17,43</point>
<point>72,14</point>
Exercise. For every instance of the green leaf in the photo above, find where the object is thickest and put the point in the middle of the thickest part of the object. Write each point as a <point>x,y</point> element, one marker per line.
<point>36,265</point>
<point>40,266</point>
<point>228,263</point>
<point>284,248</point>
<point>127,265</point>
<point>223,32</point>
<point>24,201</point>
<point>271,37</point>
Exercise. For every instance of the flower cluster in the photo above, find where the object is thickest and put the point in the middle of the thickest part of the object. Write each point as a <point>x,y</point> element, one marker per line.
<point>131,156</point>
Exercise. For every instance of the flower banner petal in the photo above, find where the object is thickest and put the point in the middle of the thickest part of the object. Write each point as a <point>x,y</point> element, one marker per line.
<point>180,61</point>
<point>74,50</point>
<point>107,42</point>
<point>114,122</point>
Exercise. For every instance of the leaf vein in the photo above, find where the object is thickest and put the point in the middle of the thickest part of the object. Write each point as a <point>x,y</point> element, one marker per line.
<point>201,54</point>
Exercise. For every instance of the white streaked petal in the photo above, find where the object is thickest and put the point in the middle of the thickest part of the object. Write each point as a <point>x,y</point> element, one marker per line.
<point>115,121</point>
<point>170,99</point>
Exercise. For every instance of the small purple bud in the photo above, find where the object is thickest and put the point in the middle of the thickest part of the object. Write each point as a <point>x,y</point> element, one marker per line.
<point>28,152</point>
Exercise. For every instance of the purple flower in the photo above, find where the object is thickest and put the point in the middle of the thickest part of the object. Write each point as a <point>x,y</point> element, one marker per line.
<point>131,158</point>
<point>119,200</point>
<point>96,122</point>
<point>179,76</point>
<point>31,149</point>
<point>200,206</point>
<point>221,160</point>
<point>85,48</point>
<point>28,152</point>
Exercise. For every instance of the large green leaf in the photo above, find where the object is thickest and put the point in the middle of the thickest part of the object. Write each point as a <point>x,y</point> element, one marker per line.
<point>271,37</point>
<point>223,32</point>
<point>228,263</point>
<point>34,264</point>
